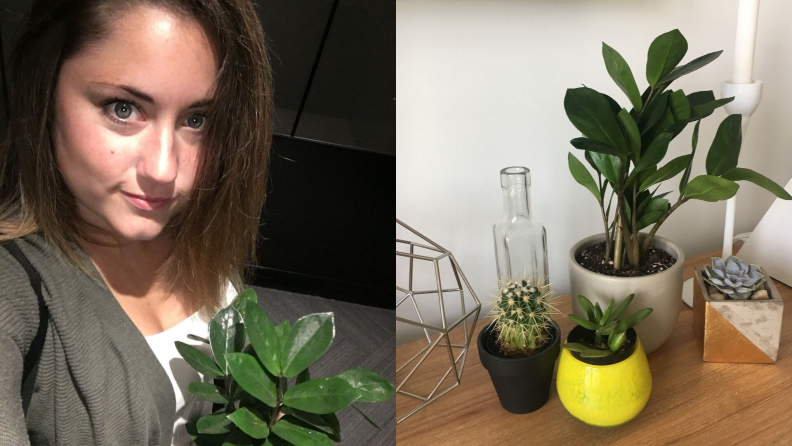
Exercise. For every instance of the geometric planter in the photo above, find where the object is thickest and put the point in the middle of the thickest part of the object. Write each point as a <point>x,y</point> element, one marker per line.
<point>746,331</point>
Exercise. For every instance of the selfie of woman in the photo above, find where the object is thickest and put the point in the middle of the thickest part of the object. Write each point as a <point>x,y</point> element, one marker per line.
<point>137,151</point>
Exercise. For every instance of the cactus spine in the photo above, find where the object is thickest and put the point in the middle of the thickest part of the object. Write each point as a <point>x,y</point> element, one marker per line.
<point>522,317</point>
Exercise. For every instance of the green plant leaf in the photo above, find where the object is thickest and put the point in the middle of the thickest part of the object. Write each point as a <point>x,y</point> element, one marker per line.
<point>282,330</point>
<point>680,106</point>
<point>608,165</point>
<point>321,396</point>
<point>583,322</point>
<point>574,346</point>
<point>665,52</point>
<point>198,338</point>
<point>590,113</point>
<point>263,336</point>
<point>238,437</point>
<point>249,295</point>
<point>597,311</point>
<point>317,421</point>
<point>725,148</point>
<point>298,435</point>
<point>648,219</point>
<point>587,308</point>
<point>207,391</point>
<point>666,172</point>
<point>703,103</point>
<point>595,353</point>
<point>686,176</point>
<point>710,188</point>
<point>583,176</point>
<point>630,129</point>
<point>214,424</point>
<point>332,420</point>
<point>594,146</point>
<point>365,416</point>
<point>607,329</point>
<point>616,340</point>
<point>371,386</point>
<point>654,154</point>
<point>606,313</point>
<point>309,339</point>
<point>689,67</point>
<point>632,320</point>
<point>303,376</point>
<point>198,360</point>
<point>653,112</point>
<point>620,72</point>
<point>250,422</point>
<point>227,333</point>
<point>252,377</point>
<point>621,307</point>
<point>742,174</point>
<point>666,123</point>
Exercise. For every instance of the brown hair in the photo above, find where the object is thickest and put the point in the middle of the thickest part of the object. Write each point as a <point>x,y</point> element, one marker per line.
<point>214,235</point>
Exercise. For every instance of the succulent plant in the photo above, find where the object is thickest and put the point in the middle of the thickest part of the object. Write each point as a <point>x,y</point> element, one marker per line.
<point>734,278</point>
<point>605,323</point>
<point>522,317</point>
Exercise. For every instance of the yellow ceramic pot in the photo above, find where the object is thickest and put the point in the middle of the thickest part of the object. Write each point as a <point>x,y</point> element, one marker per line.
<point>605,394</point>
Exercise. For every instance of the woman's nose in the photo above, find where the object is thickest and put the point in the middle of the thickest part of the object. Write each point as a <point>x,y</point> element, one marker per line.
<point>158,156</point>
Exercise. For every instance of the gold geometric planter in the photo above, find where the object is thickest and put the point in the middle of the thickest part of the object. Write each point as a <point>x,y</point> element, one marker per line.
<point>737,330</point>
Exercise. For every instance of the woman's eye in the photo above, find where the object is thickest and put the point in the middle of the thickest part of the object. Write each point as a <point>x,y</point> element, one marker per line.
<point>123,110</point>
<point>196,121</point>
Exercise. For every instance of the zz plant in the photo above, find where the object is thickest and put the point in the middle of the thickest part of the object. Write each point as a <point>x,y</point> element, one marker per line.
<point>605,324</point>
<point>625,147</point>
<point>258,407</point>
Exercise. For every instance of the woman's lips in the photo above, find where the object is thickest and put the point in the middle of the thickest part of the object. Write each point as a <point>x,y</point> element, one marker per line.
<point>146,205</point>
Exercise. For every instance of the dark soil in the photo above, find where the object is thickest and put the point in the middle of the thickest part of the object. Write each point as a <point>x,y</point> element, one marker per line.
<point>589,341</point>
<point>655,261</point>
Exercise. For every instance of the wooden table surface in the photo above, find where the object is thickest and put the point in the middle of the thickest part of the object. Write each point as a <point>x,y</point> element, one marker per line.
<point>692,401</point>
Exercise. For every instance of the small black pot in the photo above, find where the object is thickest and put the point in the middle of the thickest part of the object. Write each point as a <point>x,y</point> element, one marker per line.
<point>522,384</point>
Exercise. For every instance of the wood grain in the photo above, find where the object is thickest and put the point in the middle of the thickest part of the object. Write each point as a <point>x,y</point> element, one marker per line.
<point>692,402</point>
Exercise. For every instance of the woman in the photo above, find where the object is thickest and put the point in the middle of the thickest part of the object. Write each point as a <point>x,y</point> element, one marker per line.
<point>132,178</point>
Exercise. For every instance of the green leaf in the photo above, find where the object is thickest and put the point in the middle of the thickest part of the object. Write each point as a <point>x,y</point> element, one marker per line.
<point>595,353</point>
<point>597,311</point>
<point>615,341</point>
<point>710,188</point>
<point>686,176</point>
<point>666,172</point>
<point>680,107</point>
<point>620,72</point>
<point>282,330</point>
<point>199,361</point>
<point>689,67</point>
<point>239,438</point>
<point>298,435</point>
<point>252,378</point>
<point>214,424</point>
<point>725,148</point>
<point>574,346</point>
<point>365,416</point>
<point>703,103</point>
<point>332,420</point>
<point>656,204</point>
<point>587,308</point>
<point>594,146</point>
<point>583,176</point>
<point>263,336</point>
<point>742,174</point>
<point>621,307</point>
<point>633,320</point>
<point>250,422</point>
<point>607,329</point>
<point>607,312</point>
<point>614,106</point>
<point>630,129</point>
<point>249,295</point>
<point>648,219</point>
<point>317,421</point>
<point>227,333</point>
<point>207,391</point>
<point>309,339</point>
<point>665,52</point>
<point>321,396</point>
<point>198,338</point>
<point>654,154</point>
<point>583,322</point>
<point>664,124</point>
<point>371,386</point>
<point>303,376</point>
<point>590,113</point>
<point>608,165</point>
<point>653,112</point>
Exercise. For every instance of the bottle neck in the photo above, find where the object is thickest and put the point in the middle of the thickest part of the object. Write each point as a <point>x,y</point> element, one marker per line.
<point>517,201</point>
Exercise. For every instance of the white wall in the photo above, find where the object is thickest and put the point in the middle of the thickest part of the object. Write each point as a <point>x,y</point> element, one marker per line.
<point>480,86</point>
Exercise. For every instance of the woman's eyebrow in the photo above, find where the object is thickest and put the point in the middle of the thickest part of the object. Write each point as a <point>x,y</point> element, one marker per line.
<point>146,98</point>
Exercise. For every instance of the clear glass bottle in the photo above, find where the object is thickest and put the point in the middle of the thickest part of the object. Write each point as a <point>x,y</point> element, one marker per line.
<point>520,241</point>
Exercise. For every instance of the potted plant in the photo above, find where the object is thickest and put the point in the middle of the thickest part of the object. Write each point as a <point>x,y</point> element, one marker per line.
<point>626,149</point>
<point>257,406</point>
<point>737,312</point>
<point>603,374</point>
<point>519,347</point>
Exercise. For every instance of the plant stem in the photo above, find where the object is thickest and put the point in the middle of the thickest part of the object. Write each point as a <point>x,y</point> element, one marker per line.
<point>635,258</point>
<point>649,237</point>
<point>607,232</point>
<point>648,98</point>
<point>282,383</point>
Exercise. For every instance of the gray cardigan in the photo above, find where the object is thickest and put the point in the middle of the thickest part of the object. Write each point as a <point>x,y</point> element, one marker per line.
<point>98,382</point>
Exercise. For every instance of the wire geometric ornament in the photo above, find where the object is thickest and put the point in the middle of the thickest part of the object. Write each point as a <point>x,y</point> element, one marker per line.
<point>456,364</point>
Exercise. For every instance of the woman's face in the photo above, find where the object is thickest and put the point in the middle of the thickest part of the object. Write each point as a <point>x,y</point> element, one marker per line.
<point>127,122</point>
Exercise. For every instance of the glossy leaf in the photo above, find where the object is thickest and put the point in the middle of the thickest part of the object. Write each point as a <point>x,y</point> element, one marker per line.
<point>263,336</point>
<point>616,340</point>
<point>597,311</point>
<point>725,148</point>
<point>583,176</point>
<point>282,330</point>
<point>607,329</point>
<point>250,422</point>
<point>742,174</point>
<point>317,421</point>
<point>249,295</point>
<point>371,386</point>
<point>703,103</point>
<point>652,113</point>
<point>583,322</point>
<point>214,424</point>
<point>680,106</point>
<point>308,340</point>
<point>207,391</point>
<point>666,123</point>
<point>321,396</point>
<point>630,129</point>
<point>686,176</point>
<point>689,67</point>
<point>665,53</point>
<point>594,146</point>
<point>332,420</point>
<point>590,113</point>
<point>608,165</point>
<point>227,333</point>
<point>620,72</point>
<point>648,219</point>
<point>198,338</point>
<point>654,154</point>
<point>239,438</point>
<point>574,346</point>
<point>587,308</point>
<point>666,172</point>
<point>303,376</point>
<point>595,353</point>
<point>252,378</point>
<point>198,360</point>
<point>298,435</point>
<point>621,307</point>
<point>606,313</point>
<point>710,188</point>
<point>633,320</point>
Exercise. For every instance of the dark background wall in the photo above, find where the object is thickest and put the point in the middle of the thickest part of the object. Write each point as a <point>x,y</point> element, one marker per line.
<point>326,224</point>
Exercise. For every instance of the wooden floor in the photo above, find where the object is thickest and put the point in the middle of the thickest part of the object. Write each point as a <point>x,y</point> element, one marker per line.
<point>365,338</point>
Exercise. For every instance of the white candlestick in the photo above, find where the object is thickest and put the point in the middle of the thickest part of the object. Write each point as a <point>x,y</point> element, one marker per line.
<point>745,41</point>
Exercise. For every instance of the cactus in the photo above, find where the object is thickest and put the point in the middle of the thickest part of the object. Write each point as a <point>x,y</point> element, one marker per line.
<point>522,317</point>
<point>605,323</point>
<point>734,278</point>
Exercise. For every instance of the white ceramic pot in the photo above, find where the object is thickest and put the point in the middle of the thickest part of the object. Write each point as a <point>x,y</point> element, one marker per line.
<point>662,291</point>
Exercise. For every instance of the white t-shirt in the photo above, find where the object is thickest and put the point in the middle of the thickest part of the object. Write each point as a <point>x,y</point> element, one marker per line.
<point>182,374</point>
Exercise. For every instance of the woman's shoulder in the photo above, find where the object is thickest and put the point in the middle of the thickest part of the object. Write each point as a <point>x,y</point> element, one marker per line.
<point>19,312</point>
